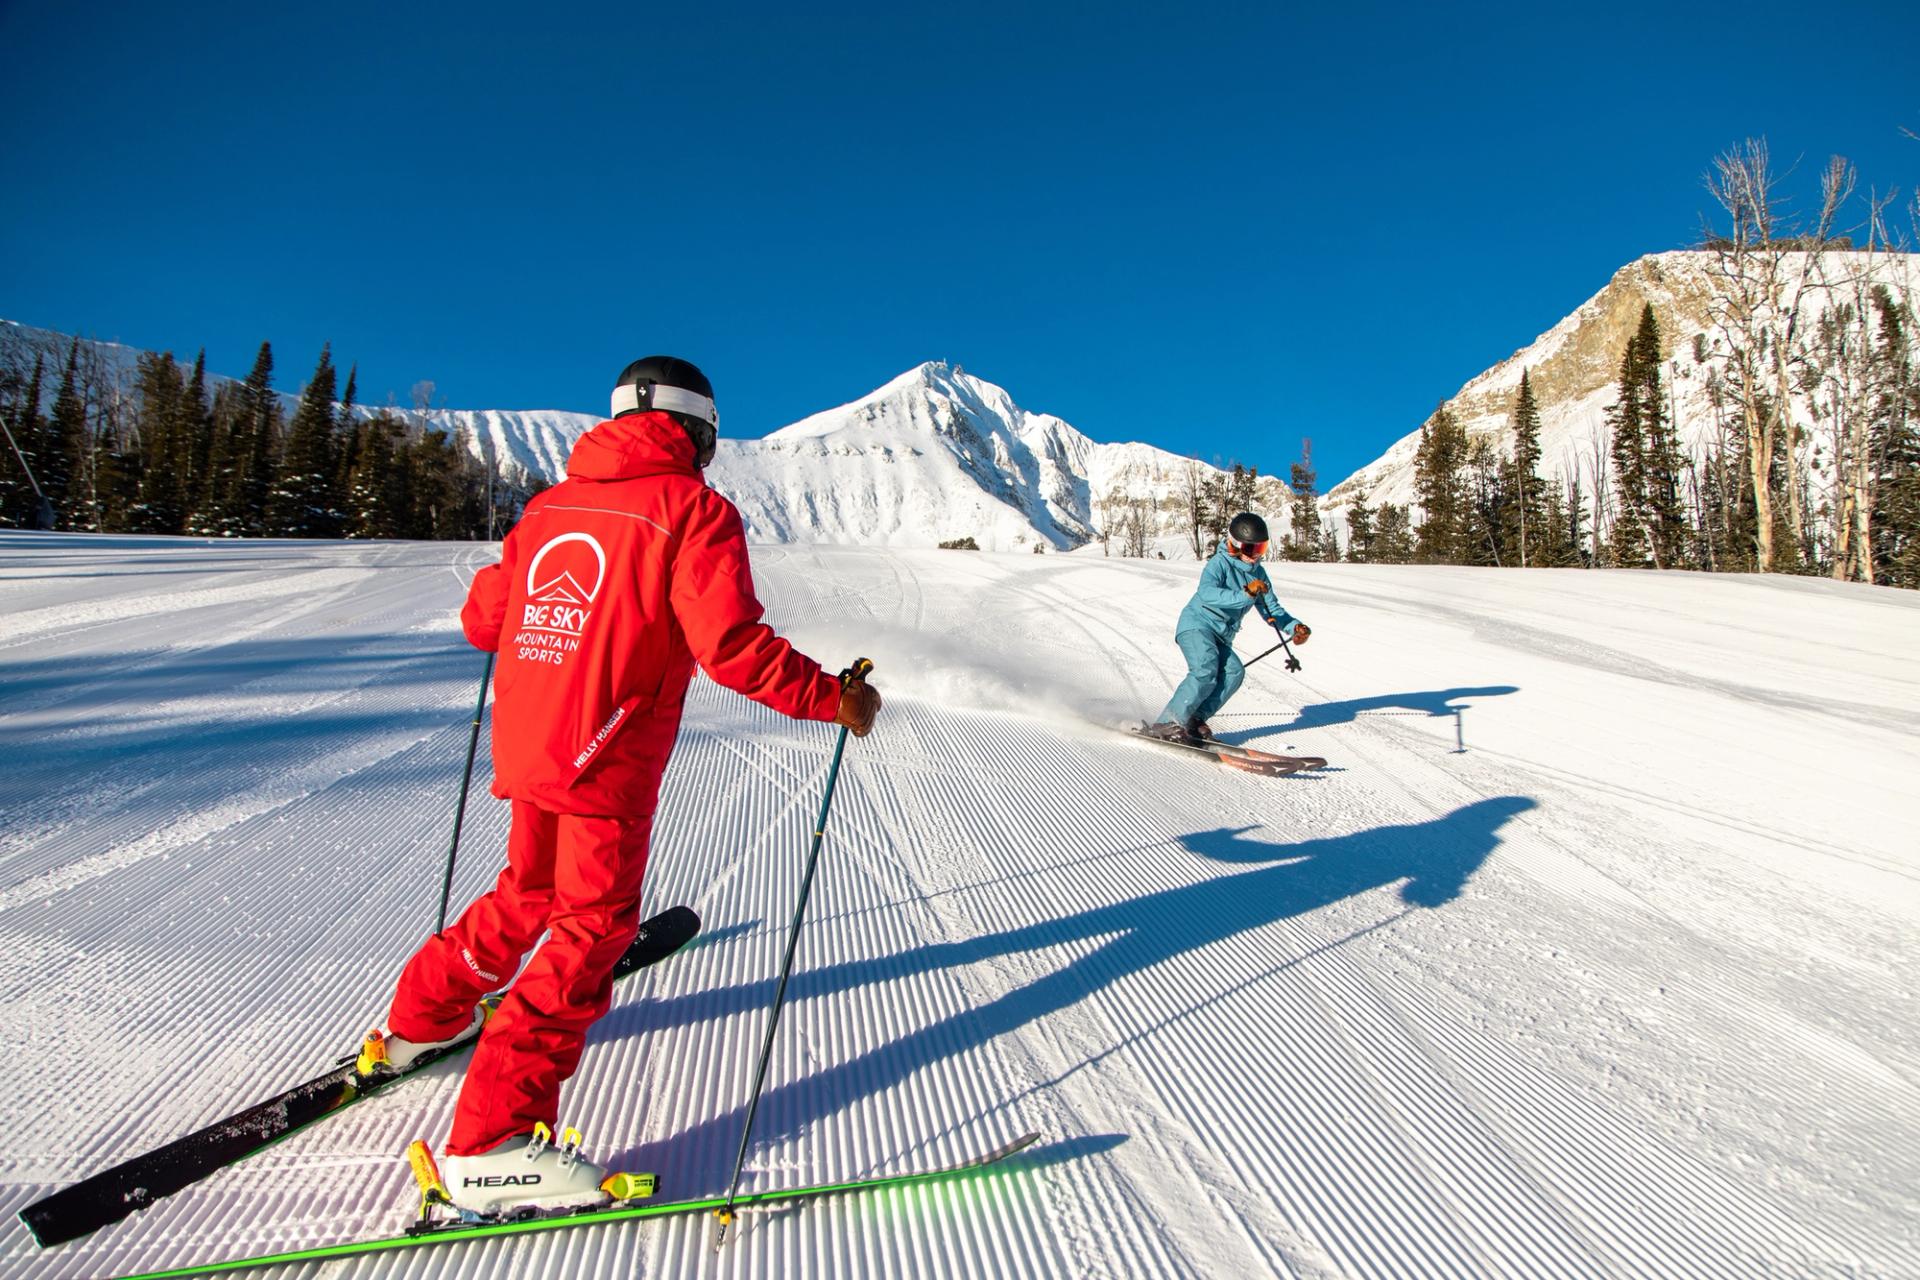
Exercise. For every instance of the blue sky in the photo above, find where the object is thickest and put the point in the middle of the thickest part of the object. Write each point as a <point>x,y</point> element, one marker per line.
<point>1217,233</point>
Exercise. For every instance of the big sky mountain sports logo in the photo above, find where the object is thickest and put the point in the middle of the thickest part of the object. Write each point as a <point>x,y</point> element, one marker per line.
<point>563,580</point>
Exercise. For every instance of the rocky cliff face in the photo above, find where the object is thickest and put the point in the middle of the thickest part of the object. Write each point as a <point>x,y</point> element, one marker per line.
<point>1574,365</point>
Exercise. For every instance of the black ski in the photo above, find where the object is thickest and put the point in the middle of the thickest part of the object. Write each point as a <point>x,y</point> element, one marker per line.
<point>127,1188</point>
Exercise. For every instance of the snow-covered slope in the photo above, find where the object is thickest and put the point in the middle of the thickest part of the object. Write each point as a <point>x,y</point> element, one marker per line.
<point>1575,365</point>
<point>1587,957</point>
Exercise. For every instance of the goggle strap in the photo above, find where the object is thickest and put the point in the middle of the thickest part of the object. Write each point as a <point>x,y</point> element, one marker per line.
<point>666,399</point>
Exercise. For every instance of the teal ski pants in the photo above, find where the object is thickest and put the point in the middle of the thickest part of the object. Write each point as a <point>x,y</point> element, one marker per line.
<point>1214,673</point>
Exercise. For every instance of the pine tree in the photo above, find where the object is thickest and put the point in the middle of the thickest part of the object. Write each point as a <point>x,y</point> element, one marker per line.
<point>242,471</point>
<point>1650,526</point>
<point>1665,514</point>
<point>347,439</point>
<point>1393,536</point>
<point>116,477</point>
<point>66,479</point>
<point>1629,546</point>
<point>1526,530</point>
<point>436,503</point>
<point>377,492</point>
<point>1575,548</point>
<point>1549,547</point>
<point>1303,542</point>
<point>160,502</point>
<point>1360,532</point>
<point>1488,516</point>
<point>196,442</point>
<point>1440,468</point>
<point>1895,436</point>
<point>473,479</point>
<point>216,479</point>
<point>303,502</point>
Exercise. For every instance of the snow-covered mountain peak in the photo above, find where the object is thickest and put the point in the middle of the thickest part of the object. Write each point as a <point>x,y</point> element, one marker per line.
<point>932,455</point>
<point>934,399</point>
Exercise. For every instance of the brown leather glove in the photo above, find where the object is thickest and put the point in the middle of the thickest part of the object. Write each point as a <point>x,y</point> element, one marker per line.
<point>1300,632</point>
<point>859,704</point>
<point>1257,588</point>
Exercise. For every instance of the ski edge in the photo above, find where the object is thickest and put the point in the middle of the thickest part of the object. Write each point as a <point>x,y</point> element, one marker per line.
<point>452,1234</point>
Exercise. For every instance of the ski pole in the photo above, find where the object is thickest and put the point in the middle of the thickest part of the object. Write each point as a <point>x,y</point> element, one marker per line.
<point>1293,663</point>
<point>42,509</point>
<point>466,780</point>
<point>853,675</point>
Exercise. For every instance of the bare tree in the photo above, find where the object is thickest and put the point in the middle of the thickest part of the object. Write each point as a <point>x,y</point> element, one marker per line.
<point>1842,386</point>
<point>1839,387</point>
<point>1763,267</point>
<point>1136,526</point>
<point>1193,506</point>
<point>1602,531</point>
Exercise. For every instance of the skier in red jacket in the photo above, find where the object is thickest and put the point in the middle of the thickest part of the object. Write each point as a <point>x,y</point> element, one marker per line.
<point>612,586</point>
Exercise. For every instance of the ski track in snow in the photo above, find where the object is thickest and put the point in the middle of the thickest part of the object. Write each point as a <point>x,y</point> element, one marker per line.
<point>1617,990</point>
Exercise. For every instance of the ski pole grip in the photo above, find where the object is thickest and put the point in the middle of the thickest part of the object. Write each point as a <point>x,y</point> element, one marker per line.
<point>857,672</point>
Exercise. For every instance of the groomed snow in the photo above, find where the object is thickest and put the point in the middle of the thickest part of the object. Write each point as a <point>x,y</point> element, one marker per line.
<point>1591,955</point>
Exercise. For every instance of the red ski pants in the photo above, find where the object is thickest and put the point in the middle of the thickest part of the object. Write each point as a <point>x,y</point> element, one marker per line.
<point>575,878</point>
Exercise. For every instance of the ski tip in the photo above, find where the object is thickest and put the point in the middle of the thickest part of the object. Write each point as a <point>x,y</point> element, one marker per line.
<point>1019,1144</point>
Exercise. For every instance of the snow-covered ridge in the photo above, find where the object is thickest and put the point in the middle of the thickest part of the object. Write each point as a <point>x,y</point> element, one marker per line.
<point>1574,366</point>
<point>935,454</point>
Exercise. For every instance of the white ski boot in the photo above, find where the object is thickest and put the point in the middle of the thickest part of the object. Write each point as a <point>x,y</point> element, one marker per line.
<point>384,1054</point>
<point>528,1174</point>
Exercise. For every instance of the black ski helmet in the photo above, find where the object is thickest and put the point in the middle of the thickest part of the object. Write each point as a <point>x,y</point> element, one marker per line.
<point>678,389</point>
<point>1247,532</point>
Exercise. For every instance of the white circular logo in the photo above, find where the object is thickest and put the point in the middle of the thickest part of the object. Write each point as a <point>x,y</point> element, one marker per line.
<point>568,580</point>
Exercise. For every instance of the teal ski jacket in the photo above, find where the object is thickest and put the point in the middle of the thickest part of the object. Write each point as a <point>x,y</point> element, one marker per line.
<point>1221,601</point>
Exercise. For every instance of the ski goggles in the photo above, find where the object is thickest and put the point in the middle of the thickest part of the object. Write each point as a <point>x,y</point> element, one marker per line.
<point>1250,550</point>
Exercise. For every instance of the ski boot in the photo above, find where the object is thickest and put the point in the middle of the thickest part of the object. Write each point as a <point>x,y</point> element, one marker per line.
<point>1168,731</point>
<point>383,1054</point>
<point>523,1177</point>
<point>1200,731</point>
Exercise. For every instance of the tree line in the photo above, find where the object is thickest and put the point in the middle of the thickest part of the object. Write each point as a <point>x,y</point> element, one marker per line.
<point>165,455</point>
<point>1809,462</point>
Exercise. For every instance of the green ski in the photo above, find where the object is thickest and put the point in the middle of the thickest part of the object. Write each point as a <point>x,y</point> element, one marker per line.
<point>456,1231</point>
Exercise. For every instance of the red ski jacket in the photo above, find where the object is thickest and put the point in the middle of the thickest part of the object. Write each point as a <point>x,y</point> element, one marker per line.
<point>613,585</point>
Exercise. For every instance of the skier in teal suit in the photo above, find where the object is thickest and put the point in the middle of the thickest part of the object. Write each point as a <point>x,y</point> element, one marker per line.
<point>1232,583</point>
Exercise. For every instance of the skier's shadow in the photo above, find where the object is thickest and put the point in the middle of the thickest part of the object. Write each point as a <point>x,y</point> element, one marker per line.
<point>1434,860</point>
<point>1320,715</point>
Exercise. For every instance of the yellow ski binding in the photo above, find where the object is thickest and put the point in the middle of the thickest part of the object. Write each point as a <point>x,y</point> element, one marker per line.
<point>630,1186</point>
<point>373,1054</point>
<point>426,1173</point>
